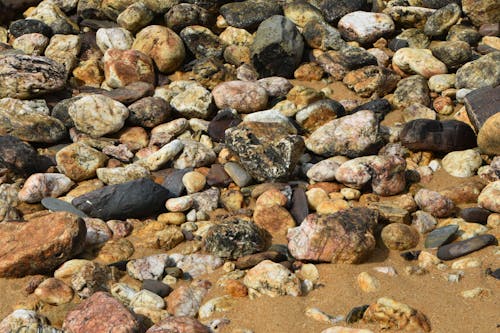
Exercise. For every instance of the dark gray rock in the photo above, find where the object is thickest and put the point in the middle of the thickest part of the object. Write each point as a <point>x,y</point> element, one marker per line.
<point>223,120</point>
<point>415,37</point>
<point>481,104</point>
<point>475,214</point>
<point>185,14</point>
<point>464,33</point>
<point>249,14</point>
<point>29,26</point>
<point>58,205</point>
<point>202,42</point>
<point>334,10</point>
<point>268,151</point>
<point>439,136</point>
<point>442,19</point>
<point>300,207</point>
<point>441,236</point>
<point>462,248</point>
<point>411,90</point>
<point>321,35</point>
<point>236,238</point>
<point>137,198</point>
<point>21,158</point>
<point>452,53</point>
<point>436,4</point>
<point>157,287</point>
<point>149,112</point>
<point>277,48</point>
<point>380,107</point>
<point>173,182</point>
<point>60,111</point>
<point>479,73</point>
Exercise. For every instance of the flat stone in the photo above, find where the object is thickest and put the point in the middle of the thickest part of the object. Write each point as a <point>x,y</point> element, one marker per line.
<point>462,248</point>
<point>475,214</point>
<point>441,236</point>
<point>179,324</point>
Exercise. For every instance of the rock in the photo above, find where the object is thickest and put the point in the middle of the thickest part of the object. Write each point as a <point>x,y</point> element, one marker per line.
<point>409,16</point>
<point>119,175</point>
<point>418,61</point>
<point>252,260</point>
<point>28,121</point>
<point>418,111</point>
<point>489,197</point>
<point>234,239</point>
<point>442,19</point>
<point>194,102</point>
<point>194,181</point>
<point>273,218</point>
<point>481,105</point>
<point>249,14</point>
<point>367,283</point>
<point>277,47</point>
<point>321,35</point>
<point>178,324</point>
<point>186,300</point>
<point>475,214</point>
<point>411,90</point>
<point>149,112</point>
<point>97,231</point>
<point>147,299</point>
<point>332,11</point>
<point>480,73</point>
<point>135,17</point>
<point>423,222</point>
<point>365,27</point>
<point>464,33</point>
<point>57,205</point>
<point>371,80</point>
<point>159,288</point>
<point>487,138</point>
<point>440,83</point>
<point>466,263</point>
<point>390,314</point>
<point>223,120</point>
<point>122,67</point>
<point>440,136</point>
<point>21,318</point>
<point>399,236</point>
<point>353,135</point>
<point>412,37</point>
<point>186,14</point>
<point>452,53</point>
<point>202,42</point>
<point>91,278</point>
<point>462,248</point>
<point>216,305</point>
<point>116,250</point>
<point>41,185</point>
<point>325,170</point>
<point>462,163</point>
<point>37,249</point>
<point>195,265</point>
<point>319,113</point>
<point>113,38</point>
<point>481,12</point>
<point>99,313</point>
<point>64,49</point>
<point>237,173</point>
<point>20,157</point>
<point>79,161</point>
<point>31,44</point>
<point>390,213</point>
<point>123,201</point>
<point>272,279</point>
<point>434,203</point>
<point>467,192</point>
<point>53,291</point>
<point>159,158</point>
<point>267,151</point>
<point>340,329</point>
<point>242,96</point>
<point>53,16</point>
<point>163,45</point>
<point>29,26</point>
<point>334,238</point>
<point>148,268</point>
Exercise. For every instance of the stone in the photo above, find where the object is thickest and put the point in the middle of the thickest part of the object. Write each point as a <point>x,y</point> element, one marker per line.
<point>442,19</point>
<point>91,278</point>
<point>242,96</point>
<point>22,318</point>
<point>464,33</point>
<point>79,161</point>
<point>237,173</point>
<point>409,16</point>
<point>367,283</point>
<point>114,38</point>
<point>223,120</point>
<point>135,17</point>
<point>439,83</point>
<point>391,314</point>
<point>467,192</point>
<point>194,181</point>
<point>163,45</point>
<point>186,300</point>
<point>466,263</point>
<point>418,111</point>
<point>481,12</point>
<point>236,238</point>
<point>122,67</point>
<point>487,138</point>
<point>462,163</point>
<point>41,185</point>
<point>418,61</point>
<point>29,26</point>
<point>390,213</point>
<point>267,151</point>
<point>252,260</point>
<point>164,133</point>
<point>249,14</point>
<point>148,112</point>
<point>325,170</point>
<point>159,288</point>
<point>272,279</point>
<point>119,175</point>
<point>178,324</point>
<point>340,329</point>
<point>186,14</point>
<point>371,80</point>
<point>462,248</point>
<point>147,299</point>
<point>202,42</point>
<point>273,218</point>
<point>37,249</point>
<point>28,121</point>
<point>440,136</point>
<point>332,11</point>
<point>423,222</point>
<point>489,197</point>
<point>334,238</point>
<point>452,53</point>
<point>53,291</point>
<point>353,135</point>
<point>137,198</point>
<point>115,250</point>
<point>481,105</point>
<point>159,158</point>
<point>321,35</point>
<point>148,268</point>
<point>365,27</point>
<point>97,231</point>
<point>480,73</point>
<point>411,37</point>
<point>277,48</point>
<point>57,205</point>
<point>475,214</point>
<point>399,236</point>
<point>100,312</point>
<point>32,44</point>
<point>179,204</point>
<point>193,102</point>
<point>64,49</point>
<point>434,203</point>
<point>195,265</point>
<point>20,157</point>
<point>194,154</point>
<point>411,90</point>
<point>216,305</point>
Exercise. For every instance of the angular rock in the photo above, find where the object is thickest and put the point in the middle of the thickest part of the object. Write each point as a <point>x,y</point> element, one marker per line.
<point>365,27</point>
<point>481,11</point>
<point>41,185</point>
<point>409,16</point>
<point>334,237</point>
<point>488,138</point>
<point>148,268</point>
<point>267,151</point>
<point>202,42</point>
<point>114,38</point>
<point>35,249</point>
<point>79,161</point>
<point>273,280</point>
<point>223,120</point>
<point>20,157</point>
<point>19,319</point>
<point>194,102</point>
<point>249,14</point>
<point>371,80</point>
<point>122,67</point>
<point>194,155</point>
<point>325,170</point>
<point>137,198</point>
<point>100,313</point>
<point>441,236</point>
<point>159,158</point>
<point>480,73</point>
<point>481,104</point>
<point>186,300</point>
<point>462,248</point>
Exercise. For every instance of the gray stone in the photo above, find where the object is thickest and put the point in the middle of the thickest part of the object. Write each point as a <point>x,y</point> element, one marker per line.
<point>452,53</point>
<point>441,236</point>
<point>462,248</point>
<point>481,104</point>
<point>442,19</point>
<point>250,13</point>
<point>410,90</point>
<point>479,73</point>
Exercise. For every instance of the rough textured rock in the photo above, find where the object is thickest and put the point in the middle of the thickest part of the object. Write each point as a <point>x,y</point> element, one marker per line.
<point>335,237</point>
<point>137,198</point>
<point>100,313</point>
<point>242,96</point>
<point>411,90</point>
<point>418,61</point>
<point>482,11</point>
<point>79,161</point>
<point>41,185</point>
<point>186,300</point>
<point>434,203</point>
<point>35,249</point>
<point>113,38</point>
<point>488,139</point>
<point>479,73</point>
<point>490,197</point>
<point>21,158</point>
<point>462,163</point>
<point>442,19</point>
<point>365,27</point>
<point>29,26</point>
<point>249,14</point>
<point>235,238</point>
<point>334,10</point>
<point>371,80</point>
<point>122,67</point>
<point>23,76</point>
<point>277,47</point>
<point>179,325</point>
<point>272,279</point>
<point>267,151</point>
<point>400,237</point>
<point>481,104</point>
<point>353,135</point>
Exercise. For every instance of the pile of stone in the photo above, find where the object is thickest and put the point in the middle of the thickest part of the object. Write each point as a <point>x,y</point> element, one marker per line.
<point>176,125</point>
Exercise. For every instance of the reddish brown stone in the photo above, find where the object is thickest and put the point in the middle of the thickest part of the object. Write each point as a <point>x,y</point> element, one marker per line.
<point>178,325</point>
<point>122,67</point>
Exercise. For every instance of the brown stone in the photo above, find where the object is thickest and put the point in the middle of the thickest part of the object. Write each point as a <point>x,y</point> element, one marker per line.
<point>179,325</point>
<point>122,67</point>
<point>41,244</point>
<point>235,288</point>
<point>275,219</point>
<point>466,192</point>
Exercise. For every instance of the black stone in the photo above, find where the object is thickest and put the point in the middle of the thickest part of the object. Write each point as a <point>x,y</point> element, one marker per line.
<point>223,120</point>
<point>185,14</point>
<point>381,107</point>
<point>356,314</point>
<point>410,255</point>
<point>452,53</point>
<point>481,104</point>
<point>21,158</point>
<point>354,57</point>
<point>459,249</point>
<point>57,205</point>
<point>396,44</point>
<point>60,111</point>
<point>173,182</point>
<point>300,207</point>
<point>439,136</point>
<point>159,288</point>
<point>441,236</point>
<point>120,265</point>
<point>249,14</point>
<point>494,273</point>
<point>135,199</point>
<point>334,10</point>
<point>202,43</point>
<point>30,26</point>
<point>475,215</point>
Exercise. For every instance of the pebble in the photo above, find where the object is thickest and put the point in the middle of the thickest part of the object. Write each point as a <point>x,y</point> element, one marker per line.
<point>365,27</point>
<point>487,140</point>
<point>317,314</point>
<point>423,222</point>
<point>398,236</point>
<point>441,236</point>
<point>489,197</point>
<point>367,282</point>
<point>434,203</point>
<point>462,248</point>
<point>418,61</point>
<point>272,279</point>
<point>41,185</point>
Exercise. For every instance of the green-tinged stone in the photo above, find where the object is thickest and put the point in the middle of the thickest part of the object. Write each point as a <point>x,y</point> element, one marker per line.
<point>57,205</point>
<point>440,236</point>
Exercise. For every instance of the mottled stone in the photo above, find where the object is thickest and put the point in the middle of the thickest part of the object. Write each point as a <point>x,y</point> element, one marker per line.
<point>20,157</point>
<point>53,291</point>
<point>434,203</point>
<point>325,170</point>
<point>202,42</point>
<point>249,14</point>
<point>488,139</point>
<point>242,96</point>
<point>187,14</point>
<point>365,27</point>
<point>113,38</point>
<point>481,11</point>
<point>410,90</point>
<point>79,161</point>
<point>418,61</point>
<point>186,300</point>
<point>462,163</point>
<point>64,49</point>
<point>479,73</point>
<point>400,237</point>
<point>178,324</point>
<point>193,102</point>
<point>371,80</point>
<point>29,26</point>
<point>272,279</point>
<point>452,53</point>
<point>194,154</point>
<point>442,19</point>
<point>122,67</point>
<point>334,10</point>
<point>490,197</point>
<point>41,185</point>
<point>31,44</point>
<point>53,16</point>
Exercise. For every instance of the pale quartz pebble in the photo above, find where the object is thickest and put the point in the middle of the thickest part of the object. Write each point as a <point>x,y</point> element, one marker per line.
<point>69,268</point>
<point>272,279</point>
<point>367,283</point>
<point>418,61</point>
<point>466,263</point>
<point>427,259</point>
<point>317,314</point>
<point>180,204</point>
<point>306,286</point>
<point>159,158</point>
<point>325,169</point>
<point>194,181</point>
<point>455,277</point>
<point>350,193</point>
<point>218,304</point>
<point>41,185</point>
<point>435,165</point>
<point>32,44</point>
<point>462,163</point>
<point>229,266</point>
<point>123,292</point>
<point>389,270</point>
<point>147,299</point>
<point>114,38</point>
<point>478,291</point>
<point>315,196</point>
<point>308,272</point>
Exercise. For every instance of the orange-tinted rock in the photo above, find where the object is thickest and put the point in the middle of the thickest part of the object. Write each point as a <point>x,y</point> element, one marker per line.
<point>122,67</point>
